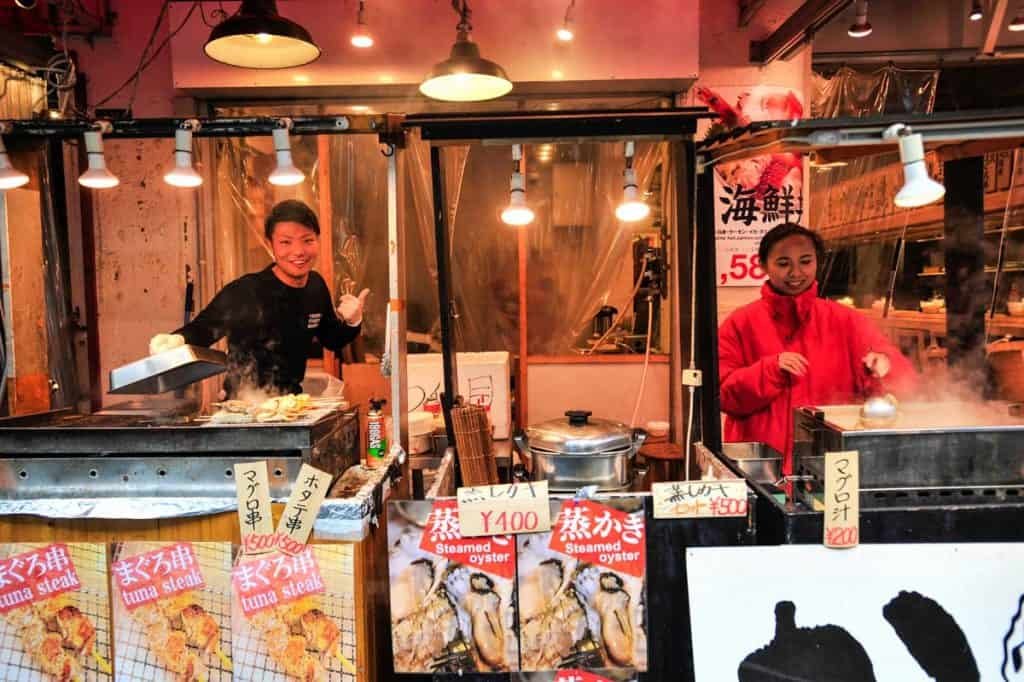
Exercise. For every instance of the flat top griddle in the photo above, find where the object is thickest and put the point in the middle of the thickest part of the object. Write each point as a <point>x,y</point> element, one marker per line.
<point>65,432</point>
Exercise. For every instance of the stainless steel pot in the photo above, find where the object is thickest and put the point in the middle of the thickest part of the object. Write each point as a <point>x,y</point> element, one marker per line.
<point>579,451</point>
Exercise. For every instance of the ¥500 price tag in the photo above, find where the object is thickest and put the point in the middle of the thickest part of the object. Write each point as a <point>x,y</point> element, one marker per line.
<point>504,509</point>
<point>699,499</point>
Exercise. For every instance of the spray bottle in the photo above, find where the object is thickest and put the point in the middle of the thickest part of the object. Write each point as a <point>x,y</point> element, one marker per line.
<point>376,439</point>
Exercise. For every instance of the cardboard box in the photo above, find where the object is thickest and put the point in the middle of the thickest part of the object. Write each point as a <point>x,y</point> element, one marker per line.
<point>483,380</point>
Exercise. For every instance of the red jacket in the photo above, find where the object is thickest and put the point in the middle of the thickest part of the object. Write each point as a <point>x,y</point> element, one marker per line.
<point>758,398</point>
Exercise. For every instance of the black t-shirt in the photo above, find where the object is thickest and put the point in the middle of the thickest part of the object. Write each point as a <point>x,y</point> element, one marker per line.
<point>270,328</point>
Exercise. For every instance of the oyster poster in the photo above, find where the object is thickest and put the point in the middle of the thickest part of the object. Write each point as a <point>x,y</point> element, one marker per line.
<point>452,598</point>
<point>581,588</point>
<point>874,612</point>
<point>755,194</point>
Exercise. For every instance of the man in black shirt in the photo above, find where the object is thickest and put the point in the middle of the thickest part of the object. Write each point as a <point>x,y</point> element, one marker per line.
<point>270,317</point>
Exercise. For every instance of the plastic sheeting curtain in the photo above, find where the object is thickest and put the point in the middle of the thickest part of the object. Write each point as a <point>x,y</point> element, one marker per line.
<point>888,90</point>
<point>579,254</point>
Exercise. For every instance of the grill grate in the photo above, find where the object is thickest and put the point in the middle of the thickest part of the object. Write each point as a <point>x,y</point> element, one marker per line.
<point>90,560</point>
<point>338,602</point>
<point>135,661</point>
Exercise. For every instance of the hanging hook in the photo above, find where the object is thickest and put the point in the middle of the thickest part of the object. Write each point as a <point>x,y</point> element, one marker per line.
<point>387,150</point>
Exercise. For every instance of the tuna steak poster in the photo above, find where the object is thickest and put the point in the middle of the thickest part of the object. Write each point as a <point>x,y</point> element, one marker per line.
<point>755,194</point>
<point>875,612</point>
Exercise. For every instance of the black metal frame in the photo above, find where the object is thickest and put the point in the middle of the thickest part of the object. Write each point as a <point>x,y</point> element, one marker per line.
<point>667,539</point>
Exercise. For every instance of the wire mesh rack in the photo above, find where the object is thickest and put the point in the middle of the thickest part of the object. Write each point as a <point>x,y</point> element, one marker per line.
<point>338,601</point>
<point>92,599</point>
<point>134,660</point>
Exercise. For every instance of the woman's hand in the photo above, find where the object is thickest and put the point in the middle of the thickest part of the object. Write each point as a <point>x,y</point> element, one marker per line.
<point>794,363</point>
<point>878,364</point>
<point>351,307</point>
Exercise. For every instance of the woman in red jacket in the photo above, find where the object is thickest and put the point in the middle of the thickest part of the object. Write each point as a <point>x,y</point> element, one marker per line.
<point>792,349</point>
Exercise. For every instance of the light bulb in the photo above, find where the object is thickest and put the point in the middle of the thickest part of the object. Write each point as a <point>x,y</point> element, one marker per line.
<point>517,213</point>
<point>362,40</point>
<point>183,174</point>
<point>564,33</point>
<point>1018,22</point>
<point>286,173</point>
<point>861,28</point>
<point>918,188</point>
<point>632,208</point>
<point>10,177</point>
<point>264,38</point>
<point>97,176</point>
<point>976,11</point>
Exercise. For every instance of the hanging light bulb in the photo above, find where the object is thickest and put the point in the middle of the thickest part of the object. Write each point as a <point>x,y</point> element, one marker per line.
<point>517,212</point>
<point>918,188</point>
<point>10,177</point>
<point>632,207</point>
<point>257,37</point>
<point>361,38</point>
<point>465,76</point>
<point>286,173</point>
<point>861,28</point>
<point>1018,21</point>
<point>183,174</point>
<point>977,12</point>
<point>97,176</point>
<point>566,32</point>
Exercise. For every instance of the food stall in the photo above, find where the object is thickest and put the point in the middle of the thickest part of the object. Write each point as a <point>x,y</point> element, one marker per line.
<point>150,487</point>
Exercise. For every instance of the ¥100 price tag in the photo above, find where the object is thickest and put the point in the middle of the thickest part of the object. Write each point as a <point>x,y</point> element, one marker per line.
<point>842,499</point>
<point>504,509</point>
<point>699,499</point>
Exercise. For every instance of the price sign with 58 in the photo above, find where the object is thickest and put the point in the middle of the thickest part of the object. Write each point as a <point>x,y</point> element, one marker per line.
<point>743,266</point>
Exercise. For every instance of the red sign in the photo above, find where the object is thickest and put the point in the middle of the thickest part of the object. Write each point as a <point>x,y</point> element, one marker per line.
<point>442,536</point>
<point>265,582</point>
<point>161,573</point>
<point>597,534</point>
<point>578,676</point>
<point>32,576</point>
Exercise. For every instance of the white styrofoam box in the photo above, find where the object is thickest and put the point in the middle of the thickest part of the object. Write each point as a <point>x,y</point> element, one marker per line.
<point>483,380</point>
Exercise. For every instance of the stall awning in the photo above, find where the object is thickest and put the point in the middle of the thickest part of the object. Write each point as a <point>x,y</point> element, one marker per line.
<point>561,125</point>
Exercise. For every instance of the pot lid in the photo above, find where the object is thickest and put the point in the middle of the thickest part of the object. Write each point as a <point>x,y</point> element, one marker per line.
<point>579,434</point>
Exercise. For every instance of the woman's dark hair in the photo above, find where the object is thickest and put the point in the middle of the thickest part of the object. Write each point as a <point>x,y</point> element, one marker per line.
<point>780,232</point>
<point>290,211</point>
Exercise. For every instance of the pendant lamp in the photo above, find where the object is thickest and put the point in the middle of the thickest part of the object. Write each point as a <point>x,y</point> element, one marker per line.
<point>465,76</point>
<point>257,37</point>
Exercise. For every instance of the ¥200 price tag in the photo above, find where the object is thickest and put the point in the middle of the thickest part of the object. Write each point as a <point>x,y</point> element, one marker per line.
<point>842,499</point>
<point>699,499</point>
<point>504,509</point>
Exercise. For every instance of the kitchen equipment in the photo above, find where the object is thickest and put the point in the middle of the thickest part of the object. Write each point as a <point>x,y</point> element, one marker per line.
<point>603,320</point>
<point>72,457</point>
<point>932,453</point>
<point>579,451</point>
<point>167,371</point>
<point>1007,361</point>
<point>664,461</point>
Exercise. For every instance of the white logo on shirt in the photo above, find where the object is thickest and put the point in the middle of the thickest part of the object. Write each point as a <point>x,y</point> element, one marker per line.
<point>314,321</point>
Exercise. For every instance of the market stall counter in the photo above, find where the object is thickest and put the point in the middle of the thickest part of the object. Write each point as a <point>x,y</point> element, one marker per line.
<point>122,488</point>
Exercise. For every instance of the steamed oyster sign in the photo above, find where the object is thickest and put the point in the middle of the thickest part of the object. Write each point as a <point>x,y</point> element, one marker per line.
<point>597,534</point>
<point>443,536</point>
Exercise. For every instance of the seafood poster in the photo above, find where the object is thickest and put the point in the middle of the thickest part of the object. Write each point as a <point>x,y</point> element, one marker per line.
<point>582,597</point>
<point>172,611</point>
<point>575,675</point>
<point>293,616</point>
<point>949,611</point>
<point>54,612</point>
<point>452,598</point>
<point>755,194</point>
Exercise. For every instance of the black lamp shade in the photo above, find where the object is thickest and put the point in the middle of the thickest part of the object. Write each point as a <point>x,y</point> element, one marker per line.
<point>257,37</point>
